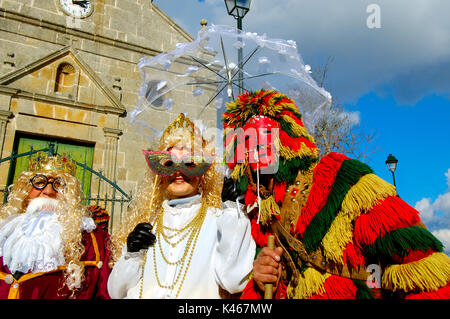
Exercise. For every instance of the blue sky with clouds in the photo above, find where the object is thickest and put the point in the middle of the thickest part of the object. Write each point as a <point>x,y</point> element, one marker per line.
<point>397,77</point>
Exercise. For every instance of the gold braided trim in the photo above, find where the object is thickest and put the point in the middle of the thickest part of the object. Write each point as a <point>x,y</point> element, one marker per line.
<point>369,190</point>
<point>309,283</point>
<point>427,274</point>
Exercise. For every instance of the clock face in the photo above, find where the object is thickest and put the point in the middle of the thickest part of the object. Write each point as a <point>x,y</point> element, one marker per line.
<point>77,9</point>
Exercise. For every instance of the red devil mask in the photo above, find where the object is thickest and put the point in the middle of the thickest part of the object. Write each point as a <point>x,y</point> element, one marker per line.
<point>260,135</point>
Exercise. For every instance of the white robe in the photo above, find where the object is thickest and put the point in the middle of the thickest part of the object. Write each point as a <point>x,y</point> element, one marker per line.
<point>223,256</point>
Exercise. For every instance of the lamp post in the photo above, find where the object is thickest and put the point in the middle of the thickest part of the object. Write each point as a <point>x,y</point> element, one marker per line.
<point>391,163</point>
<point>238,9</point>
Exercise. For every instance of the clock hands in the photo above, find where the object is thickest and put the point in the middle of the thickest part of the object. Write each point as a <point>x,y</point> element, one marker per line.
<point>83,3</point>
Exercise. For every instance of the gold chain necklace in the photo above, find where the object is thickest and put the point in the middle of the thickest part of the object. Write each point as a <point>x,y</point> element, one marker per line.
<point>191,231</point>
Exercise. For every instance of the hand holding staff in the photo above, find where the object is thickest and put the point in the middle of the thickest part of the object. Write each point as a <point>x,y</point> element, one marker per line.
<point>268,288</point>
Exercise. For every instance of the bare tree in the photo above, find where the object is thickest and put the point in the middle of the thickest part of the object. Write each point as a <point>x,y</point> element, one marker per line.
<point>338,130</point>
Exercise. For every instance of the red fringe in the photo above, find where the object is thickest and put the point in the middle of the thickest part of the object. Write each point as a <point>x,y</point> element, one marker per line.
<point>389,214</point>
<point>258,234</point>
<point>294,143</point>
<point>279,189</point>
<point>337,287</point>
<point>251,291</point>
<point>413,255</point>
<point>292,115</point>
<point>353,256</point>
<point>250,197</point>
<point>441,293</point>
<point>324,177</point>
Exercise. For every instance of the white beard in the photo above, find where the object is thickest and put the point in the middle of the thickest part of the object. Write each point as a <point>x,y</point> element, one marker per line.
<point>32,241</point>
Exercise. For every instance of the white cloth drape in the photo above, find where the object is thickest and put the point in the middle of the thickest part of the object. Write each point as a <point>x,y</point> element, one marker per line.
<point>223,257</point>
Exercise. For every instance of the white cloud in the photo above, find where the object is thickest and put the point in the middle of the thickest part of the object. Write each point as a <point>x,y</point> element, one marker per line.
<point>444,236</point>
<point>442,203</point>
<point>425,208</point>
<point>414,37</point>
<point>436,215</point>
<point>448,177</point>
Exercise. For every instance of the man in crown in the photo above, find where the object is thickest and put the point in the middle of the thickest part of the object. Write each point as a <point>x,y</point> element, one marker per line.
<point>340,231</point>
<point>49,246</point>
<point>179,240</point>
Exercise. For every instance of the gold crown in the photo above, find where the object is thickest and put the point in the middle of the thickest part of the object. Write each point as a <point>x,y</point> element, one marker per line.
<point>42,162</point>
<point>182,129</point>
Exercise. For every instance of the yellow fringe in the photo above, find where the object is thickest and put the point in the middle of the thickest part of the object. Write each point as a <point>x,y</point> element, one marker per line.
<point>369,190</point>
<point>298,129</point>
<point>427,274</point>
<point>304,151</point>
<point>309,283</point>
<point>238,171</point>
<point>269,208</point>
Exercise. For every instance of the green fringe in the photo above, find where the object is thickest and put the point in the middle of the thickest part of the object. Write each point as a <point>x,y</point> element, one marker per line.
<point>287,127</point>
<point>349,174</point>
<point>288,169</point>
<point>401,241</point>
<point>242,184</point>
<point>363,291</point>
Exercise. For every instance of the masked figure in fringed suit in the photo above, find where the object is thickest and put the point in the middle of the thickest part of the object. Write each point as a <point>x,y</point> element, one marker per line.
<point>340,231</point>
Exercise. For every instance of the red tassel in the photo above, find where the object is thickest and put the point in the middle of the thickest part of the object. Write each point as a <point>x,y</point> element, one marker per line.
<point>324,177</point>
<point>337,287</point>
<point>251,291</point>
<point>279,189</point>
<point>413,255</point>
<point>258,234</point>
<point>250,197</point>
<point>353,256</point>
<point>292,115</point>
<point>389,214</point>
<point>442,293</point>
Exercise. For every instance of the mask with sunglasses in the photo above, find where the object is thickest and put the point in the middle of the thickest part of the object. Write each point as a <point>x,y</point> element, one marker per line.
<point>165,163</point>
<point>40,182</point>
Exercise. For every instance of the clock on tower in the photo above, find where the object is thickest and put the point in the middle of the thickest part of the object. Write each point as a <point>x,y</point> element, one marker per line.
<point>77,9</point>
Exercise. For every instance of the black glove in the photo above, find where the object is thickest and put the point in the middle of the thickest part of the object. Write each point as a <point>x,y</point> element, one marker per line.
<point>140,238</point>
<point>229,190</point>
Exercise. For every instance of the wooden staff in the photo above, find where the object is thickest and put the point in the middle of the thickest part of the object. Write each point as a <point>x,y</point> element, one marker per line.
<point>268,288</point>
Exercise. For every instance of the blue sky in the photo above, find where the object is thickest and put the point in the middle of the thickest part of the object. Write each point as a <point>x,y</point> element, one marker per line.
<point>396,76</point>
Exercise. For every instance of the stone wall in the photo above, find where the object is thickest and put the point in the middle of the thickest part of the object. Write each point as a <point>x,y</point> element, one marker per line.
<point>36,37</point>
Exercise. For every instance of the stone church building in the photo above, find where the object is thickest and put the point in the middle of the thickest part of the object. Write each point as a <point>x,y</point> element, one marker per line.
<point>68,75</point>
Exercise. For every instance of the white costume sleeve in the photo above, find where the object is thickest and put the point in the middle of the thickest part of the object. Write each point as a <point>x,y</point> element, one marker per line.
<point>126,273</point>
<point>235,249</point>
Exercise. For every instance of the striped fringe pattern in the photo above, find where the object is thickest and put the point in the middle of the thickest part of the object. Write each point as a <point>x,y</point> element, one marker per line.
<point>388,215</point>
<point>336,287</point>
<point>323,180</point>
<point>349,174</point>
<point>360,198</point>
<point>427,274</point>
<point>309,283</point>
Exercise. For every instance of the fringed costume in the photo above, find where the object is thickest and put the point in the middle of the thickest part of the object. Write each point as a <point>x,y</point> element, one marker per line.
<point>345,232</point>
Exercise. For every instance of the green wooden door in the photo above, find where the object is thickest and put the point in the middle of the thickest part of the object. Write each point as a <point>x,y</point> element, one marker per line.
<point>78,152</point>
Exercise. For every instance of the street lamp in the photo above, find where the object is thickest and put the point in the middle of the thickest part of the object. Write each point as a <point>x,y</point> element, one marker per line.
<point>391,163</point>
<point>238,9</point>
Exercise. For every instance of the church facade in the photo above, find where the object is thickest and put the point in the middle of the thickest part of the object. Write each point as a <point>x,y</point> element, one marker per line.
<point>68,74</point>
